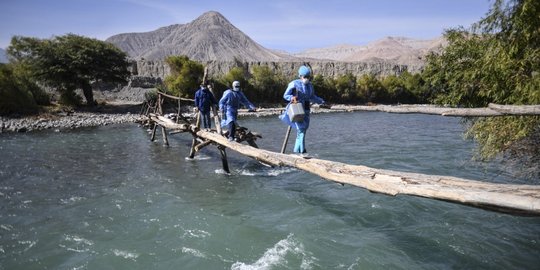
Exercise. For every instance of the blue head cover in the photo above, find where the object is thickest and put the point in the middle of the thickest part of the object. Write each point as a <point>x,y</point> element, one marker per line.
<point>304,71</point>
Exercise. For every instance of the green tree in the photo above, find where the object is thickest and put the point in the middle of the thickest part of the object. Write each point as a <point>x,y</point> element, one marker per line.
<point>71,62</point>
<point>397,92</point>
<point>455,76</point>
<point>370,89</point>
<point>15,96</point>
<point>241,75</point>
<point>235,74</point>
<point>346,88</point>
<point>416,85</point>
<point>325,88</point>
<point>186,76</point>
<point>267,85</point>
<point>497,61</point>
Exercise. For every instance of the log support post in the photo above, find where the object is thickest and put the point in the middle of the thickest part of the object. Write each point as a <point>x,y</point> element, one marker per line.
<point>224,161</point>
<point>194,141</point>
<point>165,139</point>
<point>153,137</point>
<point>193,144</point>
<point>217,120</point>
<point>284,145</point>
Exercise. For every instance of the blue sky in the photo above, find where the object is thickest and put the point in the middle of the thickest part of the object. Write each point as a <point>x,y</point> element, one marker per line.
<point>292,26</point>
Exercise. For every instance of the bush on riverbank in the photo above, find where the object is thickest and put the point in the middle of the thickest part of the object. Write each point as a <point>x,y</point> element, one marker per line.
<point>18,94</point>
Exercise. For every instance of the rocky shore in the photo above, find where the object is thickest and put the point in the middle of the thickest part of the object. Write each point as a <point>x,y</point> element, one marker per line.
<point>116,114</point>
<point>63,122</point>
<point>58,119</point>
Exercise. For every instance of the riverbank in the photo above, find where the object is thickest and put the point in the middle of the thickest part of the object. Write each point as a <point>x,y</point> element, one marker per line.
<point>117,113</point>
<point>59,119</point>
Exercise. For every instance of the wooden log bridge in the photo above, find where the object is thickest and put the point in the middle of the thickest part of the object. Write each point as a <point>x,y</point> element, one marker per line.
<point>507,198</point>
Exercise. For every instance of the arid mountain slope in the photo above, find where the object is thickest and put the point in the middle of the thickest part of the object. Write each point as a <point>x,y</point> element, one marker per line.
<point>400,50</point>
<point>209,37</point>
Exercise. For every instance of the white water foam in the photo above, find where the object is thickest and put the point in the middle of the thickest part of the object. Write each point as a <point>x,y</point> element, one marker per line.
<point>125,254</point>
<point>28,244</point>
<point>194,252</point>
<point>275,256</point>
<point>196,233</point>
<point>76,244</point>
<point>221,171</point>
<point>6,227</point>
<point>72,200</point>
<point>199,157</point>
<point>266,172</point>
<point>78,240</point>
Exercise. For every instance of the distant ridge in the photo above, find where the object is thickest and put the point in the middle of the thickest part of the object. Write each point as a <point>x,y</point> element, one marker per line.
<point>400,50</point>
<point>209,37</point>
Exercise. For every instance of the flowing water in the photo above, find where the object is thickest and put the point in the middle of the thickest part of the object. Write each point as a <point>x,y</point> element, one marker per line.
<point>108,198</point>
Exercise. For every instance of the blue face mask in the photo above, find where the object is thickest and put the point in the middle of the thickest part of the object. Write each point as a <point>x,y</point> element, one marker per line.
<point>236,88</point>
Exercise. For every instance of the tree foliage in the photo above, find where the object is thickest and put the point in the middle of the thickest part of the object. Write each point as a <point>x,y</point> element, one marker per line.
<point>325,88</point>
<point>267,86</point>
<point>370,89</point>
<point>346,88</point>
<point>497,61</point>
<point>186,76</point>
<point>15,92</point>
<point>70,62</point>
<point>235,74</point>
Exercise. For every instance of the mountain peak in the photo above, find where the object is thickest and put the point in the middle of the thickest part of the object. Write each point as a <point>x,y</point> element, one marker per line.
<point>211,14</point>
<point>211,18</point>
<point>209,37</point>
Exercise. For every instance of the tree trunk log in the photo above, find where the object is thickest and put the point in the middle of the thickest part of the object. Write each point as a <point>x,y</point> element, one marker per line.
<point>516,110</point>
<point>492,110</point>
<point>509,198</point>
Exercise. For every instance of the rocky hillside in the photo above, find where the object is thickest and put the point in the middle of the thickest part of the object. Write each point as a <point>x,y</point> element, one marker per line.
<point>400,50</point>
<point>159,69</point>
<point>209,37</point>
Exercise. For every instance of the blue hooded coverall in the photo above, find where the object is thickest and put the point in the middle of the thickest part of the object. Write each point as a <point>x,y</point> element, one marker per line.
<point>229,104</point>
<point>304,94</point>
<point>204,100</point>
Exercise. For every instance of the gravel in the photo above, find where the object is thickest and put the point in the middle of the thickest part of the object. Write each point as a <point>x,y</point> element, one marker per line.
<point>63,122</point>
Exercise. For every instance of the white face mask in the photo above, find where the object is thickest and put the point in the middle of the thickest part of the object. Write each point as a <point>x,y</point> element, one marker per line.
<point>305,81</point>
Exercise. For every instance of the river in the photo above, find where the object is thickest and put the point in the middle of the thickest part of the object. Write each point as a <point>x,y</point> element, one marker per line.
<point>108,198</point>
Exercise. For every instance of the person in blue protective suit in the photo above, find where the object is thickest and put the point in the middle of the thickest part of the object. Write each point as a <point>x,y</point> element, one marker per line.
<point>229,105</point>
<point>204,100</point>
<point>301,91</point>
